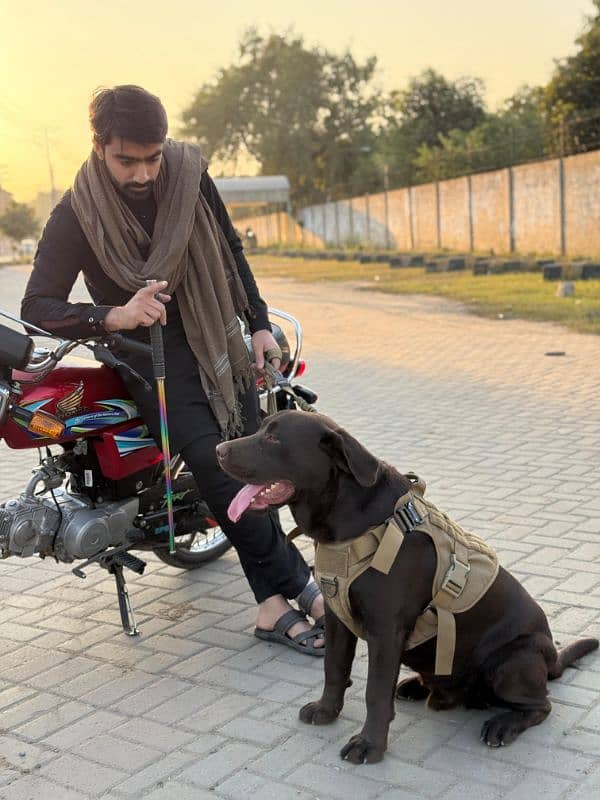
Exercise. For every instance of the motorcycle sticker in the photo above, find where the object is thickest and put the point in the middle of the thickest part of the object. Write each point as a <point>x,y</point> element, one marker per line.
<point>71,404</point>
<point>111,413</point>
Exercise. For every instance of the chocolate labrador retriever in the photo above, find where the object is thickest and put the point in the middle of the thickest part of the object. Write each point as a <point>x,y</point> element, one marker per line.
<point>336,490</point>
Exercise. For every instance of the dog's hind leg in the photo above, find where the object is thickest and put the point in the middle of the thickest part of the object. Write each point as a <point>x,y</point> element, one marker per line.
<point>519,682</point>
<point>339,654</point>
<point>412,688</point>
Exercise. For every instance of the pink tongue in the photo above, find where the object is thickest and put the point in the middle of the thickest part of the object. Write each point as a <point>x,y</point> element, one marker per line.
<point>242,500</point>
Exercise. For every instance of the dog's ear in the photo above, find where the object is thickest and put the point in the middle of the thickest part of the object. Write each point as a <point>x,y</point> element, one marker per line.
<point>351,456</point>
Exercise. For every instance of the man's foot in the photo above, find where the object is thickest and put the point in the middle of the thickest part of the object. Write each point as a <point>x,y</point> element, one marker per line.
<point>273,608</point>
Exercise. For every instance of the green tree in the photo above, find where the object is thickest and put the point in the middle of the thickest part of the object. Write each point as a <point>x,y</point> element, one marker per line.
<point>300,111</point>
<point>429,109</point>
<point>514,134</point>
<point>19,221</point>
<point>434,106</point>
<point>572,98</point>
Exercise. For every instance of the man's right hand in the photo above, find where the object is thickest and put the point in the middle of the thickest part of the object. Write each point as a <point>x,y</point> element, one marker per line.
<point>145,307</point>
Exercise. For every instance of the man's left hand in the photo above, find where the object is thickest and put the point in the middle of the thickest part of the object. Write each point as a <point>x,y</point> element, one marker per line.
<point>262,341</point>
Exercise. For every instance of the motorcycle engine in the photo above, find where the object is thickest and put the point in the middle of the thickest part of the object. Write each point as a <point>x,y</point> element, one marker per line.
<point>70,528</point>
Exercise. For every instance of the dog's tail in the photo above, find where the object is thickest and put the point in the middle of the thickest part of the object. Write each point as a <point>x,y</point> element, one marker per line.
<point>569,654</point>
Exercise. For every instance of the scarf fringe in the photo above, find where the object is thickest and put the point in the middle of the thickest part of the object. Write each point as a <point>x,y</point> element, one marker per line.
<point>235,423</point>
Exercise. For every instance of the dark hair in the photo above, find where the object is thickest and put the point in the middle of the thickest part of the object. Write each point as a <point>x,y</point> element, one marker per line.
<point>129,112</point>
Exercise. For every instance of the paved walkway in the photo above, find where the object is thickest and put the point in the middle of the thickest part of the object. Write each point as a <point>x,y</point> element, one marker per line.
<point>508,439</point>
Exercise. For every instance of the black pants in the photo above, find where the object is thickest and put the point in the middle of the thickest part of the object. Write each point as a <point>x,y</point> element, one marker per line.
<point>271,564</point>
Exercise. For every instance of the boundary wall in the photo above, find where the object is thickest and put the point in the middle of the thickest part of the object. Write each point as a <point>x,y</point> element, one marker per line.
<point>547,207</point>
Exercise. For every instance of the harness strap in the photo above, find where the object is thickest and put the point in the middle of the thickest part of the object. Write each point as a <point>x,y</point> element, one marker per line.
<point>409,513</point>
<point>388,548</point>
<point>336,560</point>
<point>294,534</point>
<point>446,642</point>
<point>452,586</point>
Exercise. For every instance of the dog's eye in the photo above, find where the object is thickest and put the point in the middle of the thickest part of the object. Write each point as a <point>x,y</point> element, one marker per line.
<point>270,437</point>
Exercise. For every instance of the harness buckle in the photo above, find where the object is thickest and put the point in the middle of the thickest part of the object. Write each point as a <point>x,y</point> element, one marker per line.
<point>409,516</point>
<point>456,577</point>
<point>329,587</point>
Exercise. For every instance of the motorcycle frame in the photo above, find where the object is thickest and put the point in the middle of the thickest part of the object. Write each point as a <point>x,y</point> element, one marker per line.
<point>114,560</point>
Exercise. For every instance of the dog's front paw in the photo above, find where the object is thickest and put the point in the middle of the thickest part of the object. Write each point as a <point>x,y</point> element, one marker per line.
<point>500,730</point>
<point>318,714</point>
<point>359,750</point>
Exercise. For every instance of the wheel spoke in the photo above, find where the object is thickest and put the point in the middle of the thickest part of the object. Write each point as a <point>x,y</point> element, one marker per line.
<point>201,540</point>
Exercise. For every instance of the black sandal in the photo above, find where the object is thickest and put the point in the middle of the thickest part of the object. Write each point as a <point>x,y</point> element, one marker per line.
<point>303,642</point>
<point>306,599</point>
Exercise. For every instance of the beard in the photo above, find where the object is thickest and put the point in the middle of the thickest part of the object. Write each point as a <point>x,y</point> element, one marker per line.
<point>137,191</point>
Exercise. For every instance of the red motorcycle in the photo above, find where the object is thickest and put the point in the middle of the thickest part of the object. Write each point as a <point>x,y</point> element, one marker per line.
<point>102,494</point>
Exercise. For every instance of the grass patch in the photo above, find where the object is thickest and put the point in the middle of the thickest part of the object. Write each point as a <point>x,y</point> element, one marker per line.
<point>523,296</point>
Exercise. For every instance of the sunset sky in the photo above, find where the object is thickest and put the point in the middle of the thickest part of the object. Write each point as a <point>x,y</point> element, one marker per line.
<point>53,54</point>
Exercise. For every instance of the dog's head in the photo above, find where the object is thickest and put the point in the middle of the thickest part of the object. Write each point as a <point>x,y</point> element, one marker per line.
<point>293,454</point>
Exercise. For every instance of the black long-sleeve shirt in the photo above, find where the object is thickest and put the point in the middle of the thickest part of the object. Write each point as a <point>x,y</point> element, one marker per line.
<point>63,252</point>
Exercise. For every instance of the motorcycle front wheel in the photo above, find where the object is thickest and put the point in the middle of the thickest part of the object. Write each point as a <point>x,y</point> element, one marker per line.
<point>193,550</point>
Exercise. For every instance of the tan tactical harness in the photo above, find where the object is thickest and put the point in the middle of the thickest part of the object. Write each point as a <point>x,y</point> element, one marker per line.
<point>466,568</point>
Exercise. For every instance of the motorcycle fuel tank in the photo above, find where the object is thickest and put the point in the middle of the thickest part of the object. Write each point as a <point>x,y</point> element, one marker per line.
<point>88,399</point>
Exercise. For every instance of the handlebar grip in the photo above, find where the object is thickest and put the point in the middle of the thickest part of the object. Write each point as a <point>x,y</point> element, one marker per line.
<point>15,348</point>
<point>124,343</point>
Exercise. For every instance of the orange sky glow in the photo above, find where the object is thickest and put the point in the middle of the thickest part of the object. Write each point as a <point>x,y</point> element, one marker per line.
<point>54,54</point>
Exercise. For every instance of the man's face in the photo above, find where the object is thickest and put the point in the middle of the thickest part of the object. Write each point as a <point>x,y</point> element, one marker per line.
<point>133,167</point>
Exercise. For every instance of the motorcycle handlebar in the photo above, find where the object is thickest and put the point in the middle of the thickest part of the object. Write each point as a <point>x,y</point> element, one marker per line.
<point>116,341</point>
<point>45,360</point>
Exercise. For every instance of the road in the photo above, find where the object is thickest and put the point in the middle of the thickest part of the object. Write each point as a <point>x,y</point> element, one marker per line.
<point>508,439</point>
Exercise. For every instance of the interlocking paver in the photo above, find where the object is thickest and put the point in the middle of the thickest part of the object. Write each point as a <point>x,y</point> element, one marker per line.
<point>91,726</point>
<point>43,725</point>
<point>333,782</point>
<point>179,791</point>
<point>185,703</point>
<point>509,443</point>
<point>246,784</point>
<point>114,752</point>
<point>82,775</point>
<point>147,779</point>
<point>34,788</point>
<point>217,765</point>
<point>219,712</point>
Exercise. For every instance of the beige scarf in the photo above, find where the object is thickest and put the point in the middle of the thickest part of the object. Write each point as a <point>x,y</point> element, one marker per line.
<point>189,250</point>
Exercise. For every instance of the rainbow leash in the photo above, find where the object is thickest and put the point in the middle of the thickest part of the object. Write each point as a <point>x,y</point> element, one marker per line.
<point>159,367</point>
<point>164,436</point>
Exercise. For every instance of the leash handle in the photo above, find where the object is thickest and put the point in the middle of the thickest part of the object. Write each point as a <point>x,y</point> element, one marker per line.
<point>158,350</point>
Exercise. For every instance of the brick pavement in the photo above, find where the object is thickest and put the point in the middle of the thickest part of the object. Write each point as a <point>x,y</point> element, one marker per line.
<point>508,440</point>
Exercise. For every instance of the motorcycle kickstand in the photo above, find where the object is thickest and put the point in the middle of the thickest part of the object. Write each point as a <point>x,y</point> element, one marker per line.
<point>125,607</point>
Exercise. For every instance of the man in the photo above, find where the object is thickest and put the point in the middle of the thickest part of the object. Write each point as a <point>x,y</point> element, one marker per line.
<point>143,207</point>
